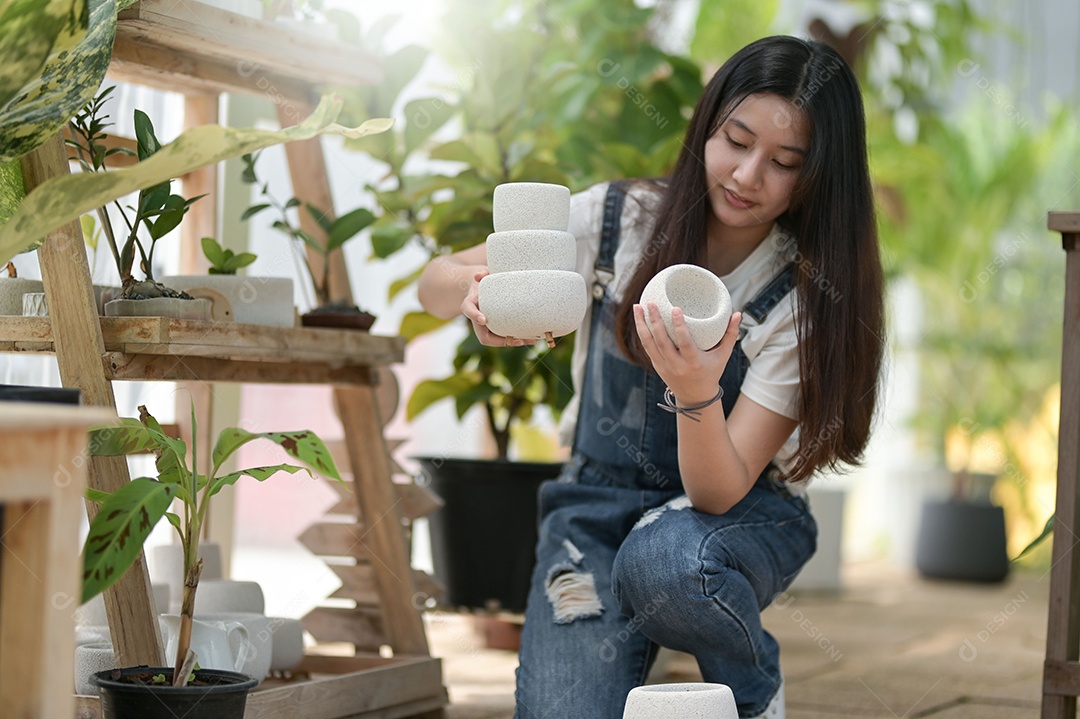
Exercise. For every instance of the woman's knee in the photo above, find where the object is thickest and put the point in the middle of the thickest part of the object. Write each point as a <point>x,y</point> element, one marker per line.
<point>657,564</point>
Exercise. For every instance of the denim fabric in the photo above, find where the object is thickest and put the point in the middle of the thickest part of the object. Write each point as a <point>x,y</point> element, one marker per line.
<point>625,564</point>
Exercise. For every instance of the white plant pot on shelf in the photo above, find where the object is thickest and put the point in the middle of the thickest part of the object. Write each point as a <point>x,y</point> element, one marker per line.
<point>177,309</point>
<point>34,305</point>
<point>251,300</point>
<point>12,290</point>
<point>248,8</point>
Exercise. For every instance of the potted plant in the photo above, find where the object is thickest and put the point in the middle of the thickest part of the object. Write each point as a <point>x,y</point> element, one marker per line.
<point>327,312</point>
<point>256,300</point>
<point>123,523</point>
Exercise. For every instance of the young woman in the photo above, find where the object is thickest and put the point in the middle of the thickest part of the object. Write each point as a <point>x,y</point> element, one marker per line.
<point>681,514</point>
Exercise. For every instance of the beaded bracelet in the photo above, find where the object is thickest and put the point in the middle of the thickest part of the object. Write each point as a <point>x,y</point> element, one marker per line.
<point>691,412</point>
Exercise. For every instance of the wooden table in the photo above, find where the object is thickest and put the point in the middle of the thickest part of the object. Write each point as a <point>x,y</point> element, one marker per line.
<point>1061,672</point>
<point>42,476</point>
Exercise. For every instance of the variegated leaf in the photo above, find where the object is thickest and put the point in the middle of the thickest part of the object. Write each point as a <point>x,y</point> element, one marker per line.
<point>28,33</point>
<point>69,79</point>
<point>128,436</point>
<point>259,473</point>
<point>118,531</point>
<point>64,199</point>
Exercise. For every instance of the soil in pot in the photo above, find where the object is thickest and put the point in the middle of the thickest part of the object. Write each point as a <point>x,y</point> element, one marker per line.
<point>131,694</point>
<point>338,316</point>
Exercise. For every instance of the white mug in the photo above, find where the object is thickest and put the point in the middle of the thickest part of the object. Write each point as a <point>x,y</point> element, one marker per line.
<point>256,651</point>
<point>217,645</point>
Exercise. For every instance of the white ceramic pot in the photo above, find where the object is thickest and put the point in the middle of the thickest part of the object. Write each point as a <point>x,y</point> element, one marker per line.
<point>256,649</point>
<point>517,250</point>
<point>700,294</point>
<point>251,300</point>
<point>171,307</point>
<point>530,206</point>
<point>249,8</point>
<point>89,660</point>
<point>34,305</point>
<point>681,701</point>
<point>288,643</point>
<point>529,304</point>
<point>12,290</point>
<point>168,568</point>
<point>229,595</point>
<point>218,644</point>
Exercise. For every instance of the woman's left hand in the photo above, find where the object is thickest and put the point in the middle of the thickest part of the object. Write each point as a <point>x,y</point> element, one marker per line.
<point>691,374</point>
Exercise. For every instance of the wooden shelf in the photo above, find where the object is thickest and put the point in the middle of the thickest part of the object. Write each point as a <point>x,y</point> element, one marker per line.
<point>160,336</point>
<point>192,47</point>
<point>1063,221</point>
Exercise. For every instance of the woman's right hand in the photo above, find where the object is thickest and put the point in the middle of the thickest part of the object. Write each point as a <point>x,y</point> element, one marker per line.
<point>470,307</point>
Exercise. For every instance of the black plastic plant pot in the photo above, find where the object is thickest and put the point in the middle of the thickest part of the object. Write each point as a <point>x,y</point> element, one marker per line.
<point>483,539</point>
<point>962,540</point>
<point>58,395</point>
<point>223,695</point>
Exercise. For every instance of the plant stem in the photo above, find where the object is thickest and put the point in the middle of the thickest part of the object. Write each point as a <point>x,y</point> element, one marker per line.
<point>187,606</point>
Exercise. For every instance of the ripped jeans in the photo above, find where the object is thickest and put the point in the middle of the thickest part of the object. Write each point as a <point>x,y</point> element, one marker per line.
<point>622,570</point>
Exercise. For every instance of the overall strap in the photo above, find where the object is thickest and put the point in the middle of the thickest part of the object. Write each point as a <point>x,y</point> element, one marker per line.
<point>770,295</point>
<point>604,267</point>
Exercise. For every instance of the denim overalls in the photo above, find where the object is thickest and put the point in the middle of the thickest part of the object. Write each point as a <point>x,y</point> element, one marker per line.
<point>624,564</point>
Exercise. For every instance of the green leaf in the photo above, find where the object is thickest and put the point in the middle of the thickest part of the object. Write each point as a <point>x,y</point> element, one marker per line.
<point>90,232</point>
<point>405,282</point>
<point>147,141</point>
<point>28,32</point>
<point>119,530</point>
<point>303,445</point>
<point>213,251</point>
<point>129,436</point>
<point>431,391</point>
<point>12,189</point>
<point>236,262</point>
<point>253,210</point>
<point>724,27</point>
<point>320,216</point>
<point>388,239</point>
<point>68,80</point>
<point>423,117</point>
<point>96,495</point>
<point>63,199</point>
<point>175,521</point>
<point>348,226</point>
<point>1047,530</point>
<point>170,217</point>
<point>259,473</point>
<point>414,324</point>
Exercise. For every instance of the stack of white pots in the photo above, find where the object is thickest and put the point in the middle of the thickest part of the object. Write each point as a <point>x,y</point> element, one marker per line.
<point>533,291</point>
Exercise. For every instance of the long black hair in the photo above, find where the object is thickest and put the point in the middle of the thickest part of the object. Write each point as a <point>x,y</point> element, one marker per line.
<point>831,227</point>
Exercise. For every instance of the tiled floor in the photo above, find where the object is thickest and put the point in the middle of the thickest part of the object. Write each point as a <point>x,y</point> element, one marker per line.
<point>890,646</point>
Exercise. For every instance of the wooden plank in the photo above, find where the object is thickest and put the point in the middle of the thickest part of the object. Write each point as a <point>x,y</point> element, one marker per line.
<point>201,219</point>
<point>339,449</point>
<point>336,664</point>
<point>79,346</point>
<point>307,168</point>
<point>259,52</point>
<point>416,501</point>
<point>1064,221</point>
<point>121,366</point>
<point>162,336</point>
<point>361,626</point>
<point>336,539</point>
<point>1061,678</point>
<point>358,583</point>
<point>380,513</point>
<point>1063,620</point>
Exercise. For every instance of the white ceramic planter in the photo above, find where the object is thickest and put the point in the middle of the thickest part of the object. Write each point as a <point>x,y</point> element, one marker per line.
<point>700,294</point>
<point>530,206</point>
<point>288,644</point>
<point>229,595</point>
<point>249,8</point>
<point>529,304</point>
<point>90,659</point>
<point>34,305</point>
<point>198,309</point>
<point>12,290</point>
<point>252,300</point>
<point>256,649</point>
<point>517,250</point>
<point>681,701</point>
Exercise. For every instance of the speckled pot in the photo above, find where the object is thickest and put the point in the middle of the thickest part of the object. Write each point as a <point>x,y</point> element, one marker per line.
<point>517,250</point>
<point>681,701</point>
<point>700,294</point>
<point>198,309</point>
<point>12,290</point>
<point>531,303</point>
<point>531,206</point>
<point>253,300</point>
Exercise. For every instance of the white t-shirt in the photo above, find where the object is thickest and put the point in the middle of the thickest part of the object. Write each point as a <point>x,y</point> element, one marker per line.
<point>772,348</point>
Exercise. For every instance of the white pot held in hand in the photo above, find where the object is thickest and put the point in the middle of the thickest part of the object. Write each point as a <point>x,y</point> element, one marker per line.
<point>681,701</point>
<point>530,206</point>
<point>529,304</point>
<point>700,294</point>
<point>517,250</point>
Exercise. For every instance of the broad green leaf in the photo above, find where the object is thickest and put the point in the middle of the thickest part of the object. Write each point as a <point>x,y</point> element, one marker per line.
<point>388,239</point>
<point>129,436</point>
<point>175,521</point>
<point>170,217</point>
<point>96,495</point>
<point>405,282</point>
<point>69,79</point>
<point>253,210</point>
<point>423,117</point>
<point>229,440</point>
<point>236,262</point>
<point>213,251</point>
<point>63,199</point>
<point>147,141</point>
<point>259,473</point>
<point>90,232</point>
<point>348,226</point>
<point>118,531</point>
<point>321,217</point>
<point>415,324</point>
<point>431,391</point>
<point>29,30</point>
<point>12,189</point>
<point>303,445</point>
